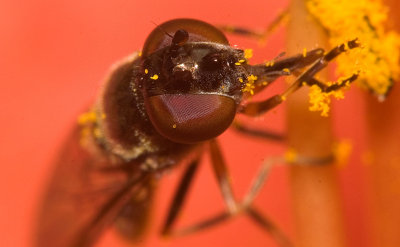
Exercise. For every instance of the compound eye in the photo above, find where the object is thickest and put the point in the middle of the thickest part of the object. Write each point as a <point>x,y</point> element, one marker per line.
<point>190,118</point>
<point>197,31</point>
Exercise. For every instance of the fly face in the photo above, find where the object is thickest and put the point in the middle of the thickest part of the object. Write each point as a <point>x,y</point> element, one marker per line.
<point>192,89</point>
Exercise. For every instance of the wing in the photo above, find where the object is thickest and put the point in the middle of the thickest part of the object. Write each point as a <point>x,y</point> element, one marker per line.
<point>83,198</point>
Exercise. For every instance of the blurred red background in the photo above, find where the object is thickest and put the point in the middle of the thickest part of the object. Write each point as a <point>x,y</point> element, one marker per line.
<point>53,57</point>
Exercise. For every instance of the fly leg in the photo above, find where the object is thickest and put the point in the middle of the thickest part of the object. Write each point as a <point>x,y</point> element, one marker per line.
<point>179,197</point>
<point>258,183</point>
<point>253,213</point>
<point>222,175</point>
<point>258,133</point>
<point>233,208</point>
<point>267,74</point>
<point>221,172</point>
<point>288,66</point>
<point>270,227</point>
<point>257,108</point>
<point>265,168</point>
<point>306,78</point>
<point>261,35</point>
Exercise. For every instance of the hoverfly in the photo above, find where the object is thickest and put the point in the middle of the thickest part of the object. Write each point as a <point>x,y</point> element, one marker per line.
<point>156,110</point>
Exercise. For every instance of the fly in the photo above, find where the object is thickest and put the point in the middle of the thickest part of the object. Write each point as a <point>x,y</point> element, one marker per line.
<point>156,110</point>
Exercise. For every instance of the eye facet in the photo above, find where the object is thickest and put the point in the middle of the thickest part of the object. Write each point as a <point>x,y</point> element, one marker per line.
<point>190,118</point>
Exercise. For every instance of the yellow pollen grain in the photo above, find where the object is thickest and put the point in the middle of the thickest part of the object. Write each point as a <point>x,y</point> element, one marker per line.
<point>140,53</point>
<point>249,88</point>
<point>87,117</point>
<point>252,78</point>
<point>154,77</point>
<point>242,61</point>
<point>248,53</point>
<point>237,63</point>
<point>174,126</point>
<point>240,79</point>
<point>305,52</point>
<point>270,63</point>
<point>146,71</point>
<point>264,83</point>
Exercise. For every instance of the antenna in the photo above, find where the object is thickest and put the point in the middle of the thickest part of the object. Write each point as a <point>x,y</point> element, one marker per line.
<point>159,27</point>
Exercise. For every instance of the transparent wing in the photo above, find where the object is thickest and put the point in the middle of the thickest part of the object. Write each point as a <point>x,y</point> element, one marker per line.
<point>83,199</point>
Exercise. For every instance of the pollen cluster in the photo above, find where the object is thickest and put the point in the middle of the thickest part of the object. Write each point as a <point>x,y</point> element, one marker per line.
<point>89,128</point>
<point>249,86</point>
<point>320,101</point>
<point>378,60</point>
